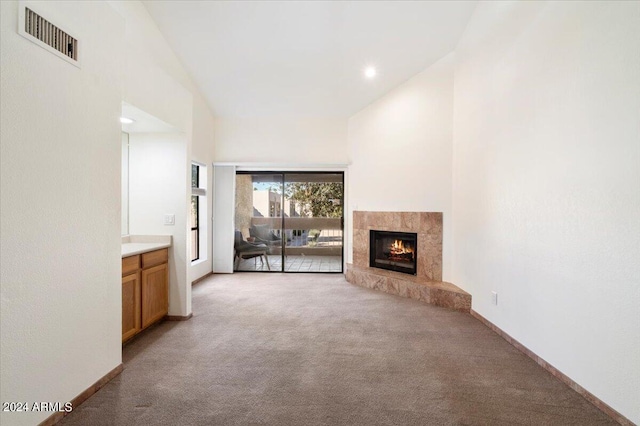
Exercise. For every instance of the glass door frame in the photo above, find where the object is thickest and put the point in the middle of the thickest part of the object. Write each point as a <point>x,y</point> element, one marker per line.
<point>283,241</point>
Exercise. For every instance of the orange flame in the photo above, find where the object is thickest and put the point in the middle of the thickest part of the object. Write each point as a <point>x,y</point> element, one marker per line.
<point>398,248</point>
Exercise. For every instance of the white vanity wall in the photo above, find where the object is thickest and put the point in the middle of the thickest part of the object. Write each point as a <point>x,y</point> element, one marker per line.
<point>158,186</point>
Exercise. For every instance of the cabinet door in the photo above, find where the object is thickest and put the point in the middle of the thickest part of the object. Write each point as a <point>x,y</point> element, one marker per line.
<point>155,294</point>
<point>130,305</point>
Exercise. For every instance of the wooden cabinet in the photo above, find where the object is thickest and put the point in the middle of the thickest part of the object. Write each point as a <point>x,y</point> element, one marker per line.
<point>154,258</point>
<point>131,324</point>
<point>155,299</point>
<point>130,264</point>
<point>145,291</point>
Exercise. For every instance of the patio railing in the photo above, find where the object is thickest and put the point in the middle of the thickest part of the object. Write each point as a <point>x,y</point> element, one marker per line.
<point>309,235</point>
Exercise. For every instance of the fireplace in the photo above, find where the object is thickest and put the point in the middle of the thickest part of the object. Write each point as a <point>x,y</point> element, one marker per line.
<point>396,251</point>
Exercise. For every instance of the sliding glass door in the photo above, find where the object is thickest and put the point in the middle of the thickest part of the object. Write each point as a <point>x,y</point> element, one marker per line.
<point>258,222</point>
<point>313,221</point>
<point>289,222</point>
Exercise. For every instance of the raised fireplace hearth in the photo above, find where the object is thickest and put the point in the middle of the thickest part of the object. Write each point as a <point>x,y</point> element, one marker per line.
<point>395,251</point>
<point>400,253</point>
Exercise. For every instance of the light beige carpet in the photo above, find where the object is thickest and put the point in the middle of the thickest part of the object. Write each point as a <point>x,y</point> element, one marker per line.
<point>312,349</point>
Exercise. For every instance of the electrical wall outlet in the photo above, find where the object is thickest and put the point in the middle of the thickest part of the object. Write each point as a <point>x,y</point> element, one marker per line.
<point>494,298</point>
<point>169,219</point>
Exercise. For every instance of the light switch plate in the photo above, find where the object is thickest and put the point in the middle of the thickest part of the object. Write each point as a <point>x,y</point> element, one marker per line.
<point>169,219</point>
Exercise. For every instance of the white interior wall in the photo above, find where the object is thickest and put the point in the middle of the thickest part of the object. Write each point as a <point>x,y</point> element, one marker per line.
<point>202,152</point>
<point>60,208</point>
<point>281,140</point>
<point>154,80</point>
<point>547,184</point>
<point>156,83</point>
<point>268,143</point>
<point>158,170</point>
<point>224,186</point>
<point>400,151</point>
<point>70,163</point>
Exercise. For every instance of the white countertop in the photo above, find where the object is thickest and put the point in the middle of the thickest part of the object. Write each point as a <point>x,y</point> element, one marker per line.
<point>136,244</point>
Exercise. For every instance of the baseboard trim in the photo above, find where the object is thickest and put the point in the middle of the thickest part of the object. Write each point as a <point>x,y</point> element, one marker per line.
<point>178,317</point>
<point>202,278</point>
<point>601,405</point>
<point>75,402</point>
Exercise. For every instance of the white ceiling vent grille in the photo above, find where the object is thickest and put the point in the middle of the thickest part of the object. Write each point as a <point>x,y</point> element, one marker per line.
<point>48,36</point>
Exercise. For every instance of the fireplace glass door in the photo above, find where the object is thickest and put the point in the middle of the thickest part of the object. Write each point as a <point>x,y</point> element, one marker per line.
<point>395,251</point>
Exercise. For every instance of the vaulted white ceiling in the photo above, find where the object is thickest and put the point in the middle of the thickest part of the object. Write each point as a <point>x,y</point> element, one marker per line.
<point>294,58</point>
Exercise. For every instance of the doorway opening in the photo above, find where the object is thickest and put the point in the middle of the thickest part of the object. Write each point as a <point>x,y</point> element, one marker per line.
<point>289,221</point>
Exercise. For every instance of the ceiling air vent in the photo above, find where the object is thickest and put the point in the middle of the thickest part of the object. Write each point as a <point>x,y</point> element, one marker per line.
<point>48,36</point>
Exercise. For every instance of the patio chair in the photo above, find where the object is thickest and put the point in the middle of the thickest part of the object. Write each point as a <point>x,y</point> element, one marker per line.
<point>246,250</point>
<point>262,234</point>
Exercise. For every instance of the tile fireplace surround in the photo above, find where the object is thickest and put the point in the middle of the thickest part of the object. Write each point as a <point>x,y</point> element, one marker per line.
<point>427,286</point>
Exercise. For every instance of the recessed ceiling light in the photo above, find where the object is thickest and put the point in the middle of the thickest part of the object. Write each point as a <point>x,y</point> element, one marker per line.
<point>125,120</point>
<point>370,72</point>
